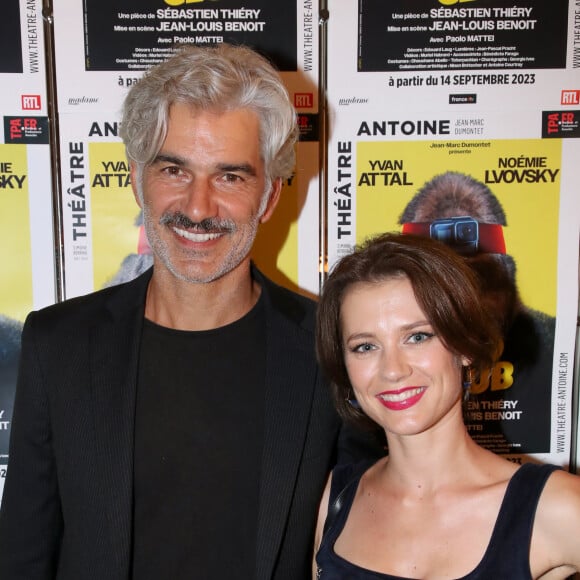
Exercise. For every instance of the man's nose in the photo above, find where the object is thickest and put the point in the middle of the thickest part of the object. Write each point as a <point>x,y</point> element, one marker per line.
<point>200,202</point>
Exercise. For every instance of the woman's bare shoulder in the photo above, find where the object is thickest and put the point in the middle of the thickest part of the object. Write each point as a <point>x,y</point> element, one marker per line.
<point>556,536</point>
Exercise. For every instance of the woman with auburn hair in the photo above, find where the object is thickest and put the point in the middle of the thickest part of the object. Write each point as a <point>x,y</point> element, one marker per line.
<point>401,331</point>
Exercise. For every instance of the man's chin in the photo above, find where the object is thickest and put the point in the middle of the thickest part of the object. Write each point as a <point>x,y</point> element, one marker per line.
<point>202,274</point>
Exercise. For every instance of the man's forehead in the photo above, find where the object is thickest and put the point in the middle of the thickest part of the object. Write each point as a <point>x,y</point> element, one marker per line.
<point>184,109</point>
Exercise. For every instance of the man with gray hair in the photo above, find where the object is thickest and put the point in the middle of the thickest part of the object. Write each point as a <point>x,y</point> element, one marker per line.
<point>177,426</point>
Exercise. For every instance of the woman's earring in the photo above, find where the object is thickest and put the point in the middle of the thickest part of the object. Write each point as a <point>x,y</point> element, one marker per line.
<point>351,400</point>
<point>467,381</point>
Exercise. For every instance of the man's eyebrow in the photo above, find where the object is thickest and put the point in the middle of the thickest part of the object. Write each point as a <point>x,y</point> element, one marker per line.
<point>246,168</point>
<point>167,158</point>
<point>237,167</point>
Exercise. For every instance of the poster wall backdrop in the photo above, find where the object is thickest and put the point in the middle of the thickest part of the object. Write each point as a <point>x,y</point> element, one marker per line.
<point>421,97</point>
<point>26,246</point>
<point>461,121</point>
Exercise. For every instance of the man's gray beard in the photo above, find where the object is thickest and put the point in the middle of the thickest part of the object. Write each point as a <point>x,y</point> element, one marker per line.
<point>231,260</point>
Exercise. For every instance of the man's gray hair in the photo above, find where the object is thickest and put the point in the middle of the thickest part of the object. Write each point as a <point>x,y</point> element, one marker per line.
<point>218,78</point>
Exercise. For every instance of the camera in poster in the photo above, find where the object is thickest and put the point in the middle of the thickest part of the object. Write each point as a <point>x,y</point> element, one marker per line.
<point>441,35</point>
<point>134,35</point>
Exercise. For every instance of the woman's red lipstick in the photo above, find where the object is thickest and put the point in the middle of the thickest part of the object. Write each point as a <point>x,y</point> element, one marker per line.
<point>401,399</point>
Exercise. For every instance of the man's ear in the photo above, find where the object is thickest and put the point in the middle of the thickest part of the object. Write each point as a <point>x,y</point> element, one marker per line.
<point>273,199</point>
<point>133,169</point>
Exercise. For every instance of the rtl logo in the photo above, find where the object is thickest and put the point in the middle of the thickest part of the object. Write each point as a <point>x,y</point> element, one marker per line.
<point>303,100</point>
<point>30,102</point>
<point>570,97</point>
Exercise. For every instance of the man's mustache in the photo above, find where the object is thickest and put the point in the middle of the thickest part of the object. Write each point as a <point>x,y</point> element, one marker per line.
<point>207,225</point>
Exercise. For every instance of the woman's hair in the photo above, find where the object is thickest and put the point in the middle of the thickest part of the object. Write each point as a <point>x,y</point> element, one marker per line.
<point>445,288</point>
<point>217,78</point>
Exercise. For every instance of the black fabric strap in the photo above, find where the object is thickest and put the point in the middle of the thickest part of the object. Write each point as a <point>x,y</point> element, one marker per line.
<point>352,475</point>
